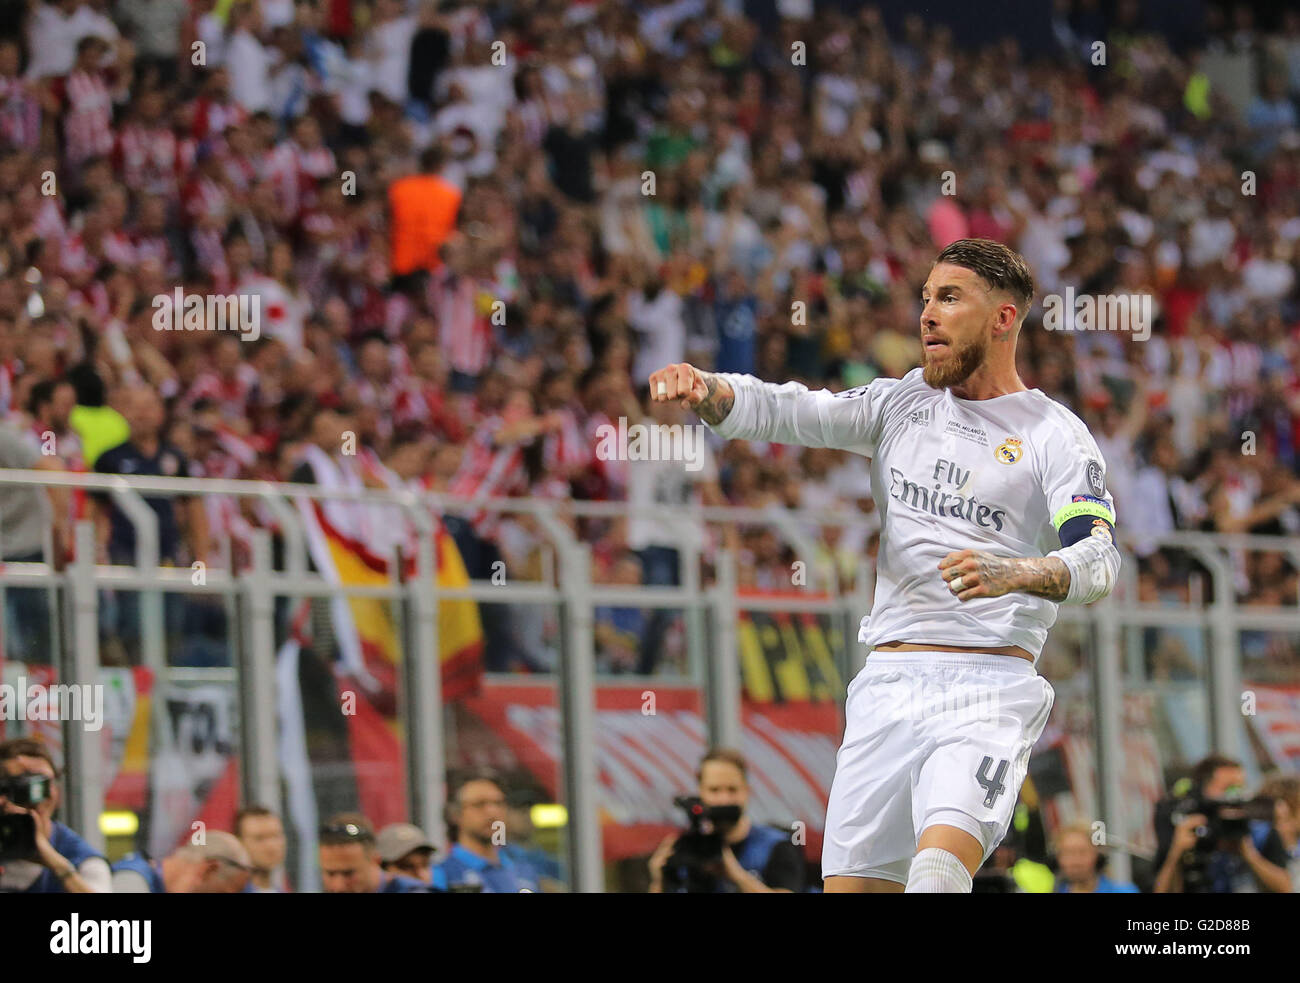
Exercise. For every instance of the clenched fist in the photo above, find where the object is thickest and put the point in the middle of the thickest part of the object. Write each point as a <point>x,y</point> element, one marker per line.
<point>681,381</point>
<point>707,393</point>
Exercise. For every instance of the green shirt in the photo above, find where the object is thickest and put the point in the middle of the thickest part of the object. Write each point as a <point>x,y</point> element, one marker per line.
<point>99,428</point>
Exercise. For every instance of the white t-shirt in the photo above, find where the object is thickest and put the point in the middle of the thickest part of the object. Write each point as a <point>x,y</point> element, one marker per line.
<point>249,64</point>
<point>665,483</point>
<point>947,474</point>
<point>52,41</point>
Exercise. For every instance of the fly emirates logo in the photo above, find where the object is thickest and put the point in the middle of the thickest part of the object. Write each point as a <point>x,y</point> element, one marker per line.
<point>938,497</point>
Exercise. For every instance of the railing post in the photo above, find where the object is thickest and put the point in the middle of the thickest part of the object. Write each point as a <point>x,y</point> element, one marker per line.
<point>1108,686</point>
<point>1225,657</point>
<point>689,565</point>
<point>152,630</point>
<point>578,721</point>
<point>422,686</point>
<point>258,740</point>
<point>723,669</point>
<point>83,754</point>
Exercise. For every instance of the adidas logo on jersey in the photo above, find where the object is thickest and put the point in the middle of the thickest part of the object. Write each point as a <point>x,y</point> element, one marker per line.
<point>921,417</point>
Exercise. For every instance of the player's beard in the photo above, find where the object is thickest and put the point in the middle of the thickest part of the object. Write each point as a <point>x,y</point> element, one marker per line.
<point>957,367</point>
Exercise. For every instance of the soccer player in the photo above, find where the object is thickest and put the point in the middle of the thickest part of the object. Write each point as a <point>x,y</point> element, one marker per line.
<point>995,510</point>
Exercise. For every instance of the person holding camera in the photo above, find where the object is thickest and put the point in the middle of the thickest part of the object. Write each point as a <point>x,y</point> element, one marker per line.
<point>1080,865</point>
<point>724,851</point>
<point>1204,839</point>
<point>38,854</point>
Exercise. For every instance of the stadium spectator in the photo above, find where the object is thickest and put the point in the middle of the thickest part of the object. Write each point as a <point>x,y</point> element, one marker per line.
<point>756,859</point>
<point>64,862</point>
<point>262,834</point>
<point>1196,856</point>
<point>1080,865</point>
<point>404,849</point>
<point>218,865</point>
<point>476,827</point>
<point>662,480</point>
<point>26,514</point>
<point>620,630</point>
<point>146,452</point>
<point>422,214</point>
<point>350,860</point>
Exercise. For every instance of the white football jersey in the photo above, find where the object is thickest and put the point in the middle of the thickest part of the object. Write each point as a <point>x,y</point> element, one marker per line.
<point>947,474</point>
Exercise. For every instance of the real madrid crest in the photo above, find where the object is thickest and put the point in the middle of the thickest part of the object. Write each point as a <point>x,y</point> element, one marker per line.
<point>1009,451</point>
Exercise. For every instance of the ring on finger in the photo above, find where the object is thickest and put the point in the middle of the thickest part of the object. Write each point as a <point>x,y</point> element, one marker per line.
<point>956,584</point>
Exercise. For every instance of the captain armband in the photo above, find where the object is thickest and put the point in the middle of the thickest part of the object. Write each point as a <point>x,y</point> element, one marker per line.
<point>1087,531</point>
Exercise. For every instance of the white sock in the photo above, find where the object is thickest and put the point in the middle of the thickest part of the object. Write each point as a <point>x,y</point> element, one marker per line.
<point>936,871</point>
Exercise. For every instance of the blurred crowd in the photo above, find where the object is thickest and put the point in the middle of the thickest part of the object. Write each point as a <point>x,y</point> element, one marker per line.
<point>473,230</point>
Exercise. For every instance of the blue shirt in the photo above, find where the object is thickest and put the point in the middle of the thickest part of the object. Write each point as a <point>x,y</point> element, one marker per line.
<point>465,869</point>
<point>542,862</point>
<point>737,321</point>
<point>1104,886</point>
<point>401,884</point>
<point>73,849</point>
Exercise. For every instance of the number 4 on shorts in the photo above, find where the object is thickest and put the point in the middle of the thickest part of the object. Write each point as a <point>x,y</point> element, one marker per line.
<point>993,786</point>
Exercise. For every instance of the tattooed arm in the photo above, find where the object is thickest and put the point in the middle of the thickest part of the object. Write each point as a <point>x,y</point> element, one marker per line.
<point>985,575</point>
<point>718,402</point>
<point>708,394</point>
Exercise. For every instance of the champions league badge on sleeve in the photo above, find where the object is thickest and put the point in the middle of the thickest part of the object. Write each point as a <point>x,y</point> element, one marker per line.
<point>1096,478</point>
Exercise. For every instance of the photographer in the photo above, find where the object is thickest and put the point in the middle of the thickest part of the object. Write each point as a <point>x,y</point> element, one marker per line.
<point>724,852</point>
<point>1204,841</point>
<point>62,862</point>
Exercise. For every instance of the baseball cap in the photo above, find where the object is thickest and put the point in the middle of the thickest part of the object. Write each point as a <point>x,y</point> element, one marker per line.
<point>396,840</point>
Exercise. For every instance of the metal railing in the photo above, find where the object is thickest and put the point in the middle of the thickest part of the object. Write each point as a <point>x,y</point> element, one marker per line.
<point>711,643</point>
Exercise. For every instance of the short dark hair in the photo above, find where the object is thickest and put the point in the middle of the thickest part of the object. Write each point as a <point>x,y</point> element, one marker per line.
<point>1205,768</point>
<point>728,756</point>
<point>42,393</point>
<point>27,747</point>
<point>997,265</point>
<point>455,783</point>
<point>433,157</point>
<point>251,812</point>
<point>473,775</point>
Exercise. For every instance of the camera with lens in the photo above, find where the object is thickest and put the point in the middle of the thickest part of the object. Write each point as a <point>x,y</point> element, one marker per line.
<point>1226,820</point>
<point>18,830</point>
<point>696,860</point>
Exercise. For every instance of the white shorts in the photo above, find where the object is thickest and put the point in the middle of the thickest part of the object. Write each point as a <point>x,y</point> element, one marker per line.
<point>929,738</point>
